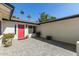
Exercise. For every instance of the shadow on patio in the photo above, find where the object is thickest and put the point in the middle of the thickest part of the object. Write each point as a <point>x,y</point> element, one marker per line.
<point>64,45</point>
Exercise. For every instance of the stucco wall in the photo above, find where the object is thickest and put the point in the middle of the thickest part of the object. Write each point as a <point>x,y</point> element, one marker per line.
<point>64,30</point>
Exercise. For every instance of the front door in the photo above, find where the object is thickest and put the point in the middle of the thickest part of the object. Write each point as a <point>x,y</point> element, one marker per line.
<point>20,31</point>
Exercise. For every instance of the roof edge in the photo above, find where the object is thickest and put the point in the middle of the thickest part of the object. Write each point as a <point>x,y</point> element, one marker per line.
<point>19,21</point>
<point>60,19</point>
<point>64,18</point>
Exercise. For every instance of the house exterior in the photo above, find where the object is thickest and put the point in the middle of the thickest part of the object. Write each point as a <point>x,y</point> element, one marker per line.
<point>9,24</point>
<point>64,29</point>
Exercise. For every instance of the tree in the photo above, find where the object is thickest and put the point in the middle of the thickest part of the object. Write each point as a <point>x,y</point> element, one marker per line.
<point>22,12</point>
<point>29,17</point>
<point>52,18</point>
<point>43,17</point>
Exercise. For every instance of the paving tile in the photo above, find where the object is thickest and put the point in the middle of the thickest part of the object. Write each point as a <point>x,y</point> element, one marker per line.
<point>35,47</point>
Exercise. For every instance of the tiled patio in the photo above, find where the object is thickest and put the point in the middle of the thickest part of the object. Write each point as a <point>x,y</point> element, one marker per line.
<point>38,47</point>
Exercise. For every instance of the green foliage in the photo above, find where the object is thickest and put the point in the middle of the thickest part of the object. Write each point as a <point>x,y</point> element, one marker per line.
<point>43,17</point>
<point>29,17</point>
<point>8,36</point>
<point>7,39</point>
<point>14,16</point>
<point>53,18</point>
<point>22,12</point>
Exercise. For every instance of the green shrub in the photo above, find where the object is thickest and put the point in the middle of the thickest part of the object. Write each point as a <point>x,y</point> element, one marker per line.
<point>8,36</point>
<point>7,39</point>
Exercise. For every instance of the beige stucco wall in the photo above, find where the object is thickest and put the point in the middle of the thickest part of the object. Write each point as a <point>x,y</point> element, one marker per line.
<point>64,30</point>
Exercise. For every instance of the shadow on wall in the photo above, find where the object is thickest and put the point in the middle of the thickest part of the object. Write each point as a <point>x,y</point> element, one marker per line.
<point>64,45</point>
<point>8,29</point>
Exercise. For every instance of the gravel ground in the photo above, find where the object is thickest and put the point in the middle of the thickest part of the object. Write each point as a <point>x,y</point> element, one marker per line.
<point>36,47</point>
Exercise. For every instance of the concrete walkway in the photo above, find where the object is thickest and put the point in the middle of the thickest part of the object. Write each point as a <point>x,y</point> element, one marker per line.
<point>37,47</point>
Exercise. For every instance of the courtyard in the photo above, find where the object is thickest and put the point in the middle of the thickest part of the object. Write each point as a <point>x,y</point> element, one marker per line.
<point>38,47</point>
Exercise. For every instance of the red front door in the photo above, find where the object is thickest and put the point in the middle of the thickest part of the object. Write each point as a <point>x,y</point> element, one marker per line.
<point>20,31</point>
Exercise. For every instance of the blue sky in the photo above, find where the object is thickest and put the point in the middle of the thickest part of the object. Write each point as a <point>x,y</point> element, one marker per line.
<point>58,10</point>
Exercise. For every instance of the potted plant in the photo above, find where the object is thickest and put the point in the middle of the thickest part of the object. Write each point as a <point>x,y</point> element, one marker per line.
<point>38,34</point>
<point>48,37</point>
<point>7,39</point>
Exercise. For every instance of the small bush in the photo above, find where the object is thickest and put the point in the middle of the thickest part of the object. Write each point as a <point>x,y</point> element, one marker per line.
<point>7,39</point>
<point>48,37</point>
<point>8,36</point>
